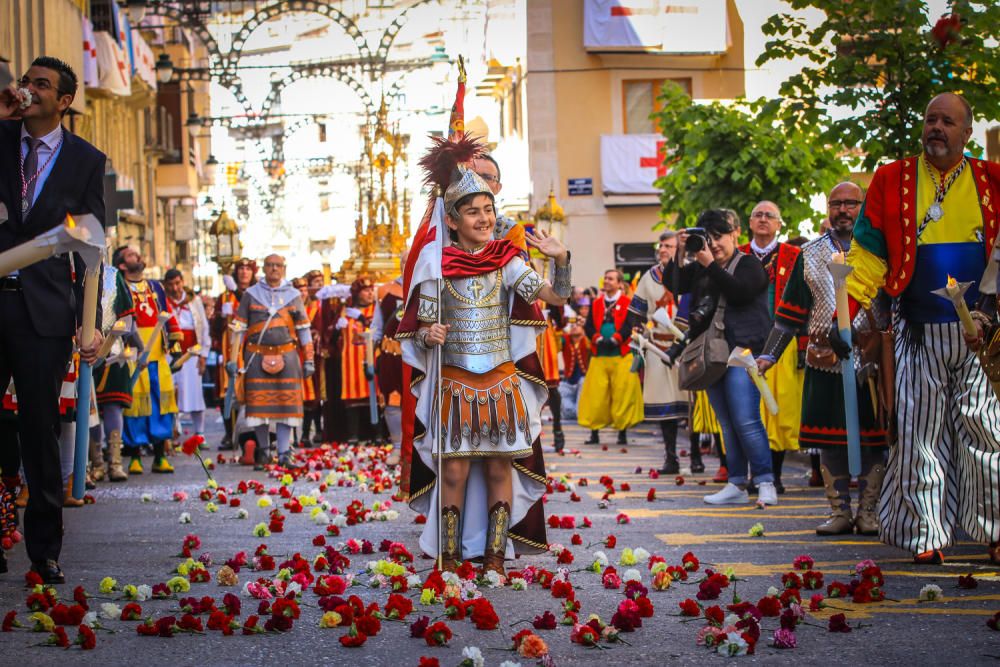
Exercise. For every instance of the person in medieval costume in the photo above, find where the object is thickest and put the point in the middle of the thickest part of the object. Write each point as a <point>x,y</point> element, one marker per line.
<point>243,276</point>
<point>111,378</point>
<point>149,420</point>
<point>312,410</point>
<point>810,299</point>
<point>925,219</point>
<point>354,326</point>
<point>549,346</point>
<point>193,324</point>
<point>663,400</point>
<point>611,393</point>
<point>389,363</point>
<point>272,320</point>
<point>785,381</point>
<point>576,358</point>
<point>492,391</point>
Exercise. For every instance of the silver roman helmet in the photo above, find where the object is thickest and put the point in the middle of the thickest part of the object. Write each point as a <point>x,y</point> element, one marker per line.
<point>464,182</point>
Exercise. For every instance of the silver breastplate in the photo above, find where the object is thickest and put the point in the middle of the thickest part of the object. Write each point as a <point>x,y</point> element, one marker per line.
<point>477,310</point>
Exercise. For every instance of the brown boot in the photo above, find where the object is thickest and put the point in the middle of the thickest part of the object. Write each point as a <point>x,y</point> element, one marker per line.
<point>451,538</point>
<point>116,473</point>
<point>496,538</point>
<point>97,473</point>
<point>866,522</point>
<point>68,499</point>
<point>840,522</point>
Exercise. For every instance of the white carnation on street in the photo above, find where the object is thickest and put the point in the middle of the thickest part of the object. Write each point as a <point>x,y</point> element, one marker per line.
<point>111,610</point>
<point>475,655</point>
<point>930,592</point>
<point>185,517</point>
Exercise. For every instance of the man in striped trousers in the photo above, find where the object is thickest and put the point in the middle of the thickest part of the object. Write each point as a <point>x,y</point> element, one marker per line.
<point>926,218</point>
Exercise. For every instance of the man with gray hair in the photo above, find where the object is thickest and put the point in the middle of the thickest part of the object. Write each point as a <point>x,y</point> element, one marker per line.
<point>273,320</point>
<point>663,401</point>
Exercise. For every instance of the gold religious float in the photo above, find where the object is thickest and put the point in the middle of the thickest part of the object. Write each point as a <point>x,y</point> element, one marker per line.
<point>382,228</point>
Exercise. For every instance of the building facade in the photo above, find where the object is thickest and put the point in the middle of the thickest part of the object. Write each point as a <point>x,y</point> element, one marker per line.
<point>593,73</point>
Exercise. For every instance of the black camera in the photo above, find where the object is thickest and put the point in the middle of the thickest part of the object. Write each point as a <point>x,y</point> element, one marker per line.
<point>697,239</point>
<point>702,311</point>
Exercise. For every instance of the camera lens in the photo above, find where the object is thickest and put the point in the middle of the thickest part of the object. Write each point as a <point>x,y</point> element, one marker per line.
<point>694,243</point>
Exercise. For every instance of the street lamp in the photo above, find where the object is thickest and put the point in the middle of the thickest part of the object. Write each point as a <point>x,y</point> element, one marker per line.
<point>164,68</point>
<point>136,11</point>
<point>225,238</point>
<point>193,123</point>
<point>211,167</point>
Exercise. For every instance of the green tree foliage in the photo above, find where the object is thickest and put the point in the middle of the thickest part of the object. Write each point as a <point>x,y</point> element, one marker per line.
<point>734,156</point>
<point>883,61</point>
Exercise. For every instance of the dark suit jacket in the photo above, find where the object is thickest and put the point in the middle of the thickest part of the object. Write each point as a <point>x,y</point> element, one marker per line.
<point>76,186</point>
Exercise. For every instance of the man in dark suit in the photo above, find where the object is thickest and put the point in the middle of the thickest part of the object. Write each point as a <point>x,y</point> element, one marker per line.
<point>45,173</point>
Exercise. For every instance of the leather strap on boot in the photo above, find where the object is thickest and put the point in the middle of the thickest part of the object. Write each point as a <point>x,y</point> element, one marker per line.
<point>840,521</point>
<point>451,538</point>
<point>116,473</point>
<point>496,537</point>
<point>867,518</point>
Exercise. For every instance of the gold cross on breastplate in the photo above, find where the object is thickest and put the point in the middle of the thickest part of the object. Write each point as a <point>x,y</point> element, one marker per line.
<point>476,288</point>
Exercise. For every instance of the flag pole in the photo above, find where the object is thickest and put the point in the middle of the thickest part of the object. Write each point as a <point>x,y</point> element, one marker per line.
<point>438,431</point>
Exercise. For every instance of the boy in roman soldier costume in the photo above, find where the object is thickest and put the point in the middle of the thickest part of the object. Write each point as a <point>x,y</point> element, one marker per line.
<point>492,390</point>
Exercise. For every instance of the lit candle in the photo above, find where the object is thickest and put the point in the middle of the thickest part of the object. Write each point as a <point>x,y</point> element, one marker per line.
<point>956,292</point>
<point>58,240</point>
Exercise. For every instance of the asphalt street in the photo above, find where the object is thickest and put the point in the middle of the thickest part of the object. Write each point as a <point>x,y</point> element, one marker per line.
<point>132,533</point>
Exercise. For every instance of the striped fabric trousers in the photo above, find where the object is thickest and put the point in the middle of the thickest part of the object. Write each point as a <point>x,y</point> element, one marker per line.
<point>944,471</point>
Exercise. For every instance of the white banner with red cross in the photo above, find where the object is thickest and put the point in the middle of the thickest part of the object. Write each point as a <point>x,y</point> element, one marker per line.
<point>658,26</point>
<point>630,163</point>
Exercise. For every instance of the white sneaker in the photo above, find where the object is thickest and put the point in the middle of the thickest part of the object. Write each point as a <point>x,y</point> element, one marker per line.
<point>730,495</point>
<point>766,494</point>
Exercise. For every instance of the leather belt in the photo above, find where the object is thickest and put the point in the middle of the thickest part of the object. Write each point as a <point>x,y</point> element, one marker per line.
<point>253,348</point>
<point>10,284</point>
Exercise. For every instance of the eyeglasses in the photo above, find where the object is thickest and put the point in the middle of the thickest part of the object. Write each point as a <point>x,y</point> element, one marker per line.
<point>846,203</point>
<point>765,214</point>
<point>489,178</point>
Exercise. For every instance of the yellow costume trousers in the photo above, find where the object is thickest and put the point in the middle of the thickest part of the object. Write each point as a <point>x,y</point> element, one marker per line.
<point>611,394</point>
<point>785,382</point>
<point>704,417</point>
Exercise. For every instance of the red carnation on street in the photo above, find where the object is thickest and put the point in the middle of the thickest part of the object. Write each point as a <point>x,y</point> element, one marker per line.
<point>437,634</point>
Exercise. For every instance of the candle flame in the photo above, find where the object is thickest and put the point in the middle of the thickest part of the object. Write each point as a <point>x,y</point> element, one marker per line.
<point>952,282</point>
<point>70,222</point>
<point>746,352</point>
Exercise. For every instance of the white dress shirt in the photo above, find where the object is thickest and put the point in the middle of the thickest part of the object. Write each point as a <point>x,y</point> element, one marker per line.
<point>51,141</point>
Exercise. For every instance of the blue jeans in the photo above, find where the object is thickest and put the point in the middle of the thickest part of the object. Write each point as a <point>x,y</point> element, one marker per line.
<point>736,402</point>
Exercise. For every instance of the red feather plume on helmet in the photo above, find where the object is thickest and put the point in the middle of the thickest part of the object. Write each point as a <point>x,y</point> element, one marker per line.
<point>445,155</point>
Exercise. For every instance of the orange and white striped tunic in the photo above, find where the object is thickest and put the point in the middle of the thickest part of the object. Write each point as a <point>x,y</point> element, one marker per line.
<point>354,384</point>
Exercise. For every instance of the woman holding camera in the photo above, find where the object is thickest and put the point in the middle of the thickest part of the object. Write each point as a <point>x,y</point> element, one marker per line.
<point>718,269</point>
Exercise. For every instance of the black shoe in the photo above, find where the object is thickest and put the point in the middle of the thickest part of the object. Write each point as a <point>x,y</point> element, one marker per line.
<point>226,445</point>
<point>778,486</point>
<point>751,487</point>
<point>594,439</point>
<point>3,563</point>
<point>49,572</point>
<point>559,440</point>
<point>622,438</point>
<point>670,467</point>
<point>697,466</point>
